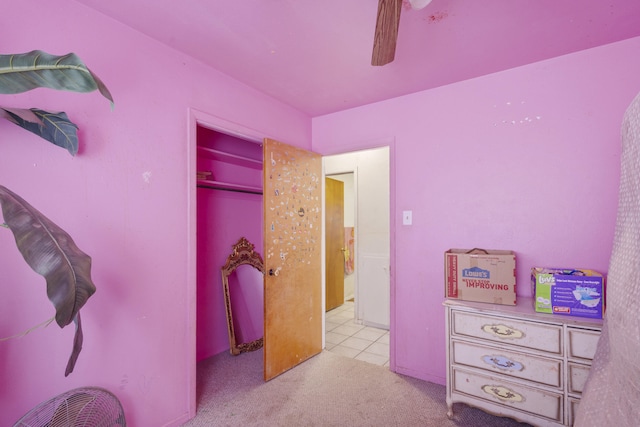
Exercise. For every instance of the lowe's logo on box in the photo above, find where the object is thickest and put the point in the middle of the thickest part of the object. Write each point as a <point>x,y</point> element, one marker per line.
<point>475,273</point>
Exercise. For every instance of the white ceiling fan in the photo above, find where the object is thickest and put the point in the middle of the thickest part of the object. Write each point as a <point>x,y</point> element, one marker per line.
<point>387,22</point>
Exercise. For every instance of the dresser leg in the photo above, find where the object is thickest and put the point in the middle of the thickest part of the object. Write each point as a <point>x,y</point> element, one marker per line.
<point>449,410</point>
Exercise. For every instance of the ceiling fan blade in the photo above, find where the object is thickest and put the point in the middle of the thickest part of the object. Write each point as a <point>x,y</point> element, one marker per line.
<point>387,22</point>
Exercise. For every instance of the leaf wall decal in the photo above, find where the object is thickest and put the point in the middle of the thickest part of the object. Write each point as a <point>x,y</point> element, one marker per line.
<point>23,113</point>
<point>27,71</point>
<point>78,338</point>
<point>51,252</point>
<point>54,127</point>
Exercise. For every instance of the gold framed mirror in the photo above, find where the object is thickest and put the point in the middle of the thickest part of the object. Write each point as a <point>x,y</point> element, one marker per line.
<point>242,283</point>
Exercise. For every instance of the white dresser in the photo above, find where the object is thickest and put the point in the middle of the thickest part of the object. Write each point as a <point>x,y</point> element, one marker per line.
<point>512,361</point>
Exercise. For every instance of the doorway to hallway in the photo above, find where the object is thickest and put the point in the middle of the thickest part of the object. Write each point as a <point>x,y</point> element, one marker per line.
<point>359,327</point>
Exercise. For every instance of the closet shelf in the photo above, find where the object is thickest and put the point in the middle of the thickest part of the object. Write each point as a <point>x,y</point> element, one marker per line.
<point>230,158</point>
<point>217,185</point>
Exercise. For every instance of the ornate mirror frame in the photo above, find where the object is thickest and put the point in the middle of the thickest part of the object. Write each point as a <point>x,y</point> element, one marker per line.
<point>243,253</point>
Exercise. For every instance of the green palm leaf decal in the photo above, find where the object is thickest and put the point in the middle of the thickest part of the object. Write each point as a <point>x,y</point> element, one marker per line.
<point>23,113</point>
<point>54,127</point>
<point>52,253</point>
<point>23,72</point>
<point>78,338</point>
<point>27,71</point>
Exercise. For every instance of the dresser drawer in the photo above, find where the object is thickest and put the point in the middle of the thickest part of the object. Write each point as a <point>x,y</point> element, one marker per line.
<point>519,365</point>
<point>495,389</point>
<point>573,409</point>
<point>577,377</point>
<point>582,343</point>
<point>504,330</point>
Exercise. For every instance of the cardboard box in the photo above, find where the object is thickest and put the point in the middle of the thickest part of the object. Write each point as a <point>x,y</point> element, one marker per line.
<point>480,275</point>
<point>572,292</point>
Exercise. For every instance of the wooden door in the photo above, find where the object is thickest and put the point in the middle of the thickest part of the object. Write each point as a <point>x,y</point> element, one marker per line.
<point>292,256</point>
<point>335,248</point>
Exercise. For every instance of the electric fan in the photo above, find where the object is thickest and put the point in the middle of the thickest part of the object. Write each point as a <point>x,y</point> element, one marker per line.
<point>80,407</point>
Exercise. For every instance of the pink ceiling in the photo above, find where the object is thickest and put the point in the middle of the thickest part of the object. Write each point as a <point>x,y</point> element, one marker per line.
<point>315,54</point>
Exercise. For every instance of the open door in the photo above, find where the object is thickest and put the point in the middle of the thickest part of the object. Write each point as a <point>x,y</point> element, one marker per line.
<point>334,243</point>
<point>292,256</point>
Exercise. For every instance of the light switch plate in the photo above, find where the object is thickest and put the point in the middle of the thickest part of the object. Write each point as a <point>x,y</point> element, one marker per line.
<point>407,217</point>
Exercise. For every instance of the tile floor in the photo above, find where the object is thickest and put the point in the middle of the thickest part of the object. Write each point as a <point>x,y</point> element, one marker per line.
<point>344,336</point>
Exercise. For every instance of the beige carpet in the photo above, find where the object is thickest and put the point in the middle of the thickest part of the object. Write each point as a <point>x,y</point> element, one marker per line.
<point>327,390</point>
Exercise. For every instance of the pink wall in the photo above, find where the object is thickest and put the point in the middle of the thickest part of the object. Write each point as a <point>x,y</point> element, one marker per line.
<point>526,159</point>
<point>125,200</point>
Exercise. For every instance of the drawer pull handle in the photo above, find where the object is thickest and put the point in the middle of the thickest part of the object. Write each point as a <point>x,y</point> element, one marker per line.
<point>502,393</point>
<point>502,331</point>
<point>502,362</point>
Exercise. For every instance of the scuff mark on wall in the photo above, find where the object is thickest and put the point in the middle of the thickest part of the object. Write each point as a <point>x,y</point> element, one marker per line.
<point>124,382</point>
<point>528,118</point>
<point>437,17</point>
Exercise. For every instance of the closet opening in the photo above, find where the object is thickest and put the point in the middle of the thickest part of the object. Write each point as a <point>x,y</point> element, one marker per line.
<point>229,207</point>
<point>357,261</point>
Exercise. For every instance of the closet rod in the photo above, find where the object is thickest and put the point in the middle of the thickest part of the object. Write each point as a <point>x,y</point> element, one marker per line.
<point>233,190</point>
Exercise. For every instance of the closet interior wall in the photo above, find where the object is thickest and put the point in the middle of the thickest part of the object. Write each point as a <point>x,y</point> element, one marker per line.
<point>229,206</point>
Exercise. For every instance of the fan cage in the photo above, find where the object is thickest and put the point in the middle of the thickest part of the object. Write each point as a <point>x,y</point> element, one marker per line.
<point>80,407</point>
